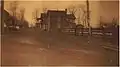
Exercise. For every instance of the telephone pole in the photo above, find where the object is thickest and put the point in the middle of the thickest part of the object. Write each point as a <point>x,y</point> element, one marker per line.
<point>88,18</point>
<point>2,17</point>
<point>88,21</point>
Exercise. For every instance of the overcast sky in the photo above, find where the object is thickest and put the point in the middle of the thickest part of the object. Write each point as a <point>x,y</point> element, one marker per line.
<point>30,6</point>
<point>95,8</point>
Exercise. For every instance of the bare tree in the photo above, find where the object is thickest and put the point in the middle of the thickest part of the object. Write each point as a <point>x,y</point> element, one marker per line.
<point>13,7</point>
<point>82,14</point>
<point>44,10</point>
<point>72,9</point>
<point>35,13</point>
<point>101,25</point>
<point>79,11</point>
<point>22,13</point>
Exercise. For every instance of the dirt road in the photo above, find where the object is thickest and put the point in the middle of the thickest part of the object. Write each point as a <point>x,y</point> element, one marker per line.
<point>30,47</point>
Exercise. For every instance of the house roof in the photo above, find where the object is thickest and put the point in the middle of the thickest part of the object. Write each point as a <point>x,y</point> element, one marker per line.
<point>8,19</point>
<point>5,15</point>
<point>56,13</point>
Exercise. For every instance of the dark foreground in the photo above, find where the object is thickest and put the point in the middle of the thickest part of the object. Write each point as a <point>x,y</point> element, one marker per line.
<point>33,47</point>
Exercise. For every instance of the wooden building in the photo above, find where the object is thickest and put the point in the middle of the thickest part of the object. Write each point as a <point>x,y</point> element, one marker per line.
<point>55,20</point>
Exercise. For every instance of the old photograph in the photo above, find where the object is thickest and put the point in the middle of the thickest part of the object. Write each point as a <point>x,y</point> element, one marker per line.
<point>60,33</point>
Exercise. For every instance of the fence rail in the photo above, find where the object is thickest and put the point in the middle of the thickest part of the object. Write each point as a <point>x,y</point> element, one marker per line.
<point>85,31</point>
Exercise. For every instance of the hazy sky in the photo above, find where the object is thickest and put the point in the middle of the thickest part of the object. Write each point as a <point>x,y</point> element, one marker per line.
<point>30,6</point>
<point>106,9</point>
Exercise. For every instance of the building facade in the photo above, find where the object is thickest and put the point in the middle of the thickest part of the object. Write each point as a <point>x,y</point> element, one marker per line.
<point>55,20</point>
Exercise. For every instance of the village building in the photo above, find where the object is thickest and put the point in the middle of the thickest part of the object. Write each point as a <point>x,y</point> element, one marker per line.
<point>55,20</point>
<point>10,22</point>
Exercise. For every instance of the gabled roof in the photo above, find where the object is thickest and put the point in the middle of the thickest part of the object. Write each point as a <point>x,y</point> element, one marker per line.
<point>5,15</point>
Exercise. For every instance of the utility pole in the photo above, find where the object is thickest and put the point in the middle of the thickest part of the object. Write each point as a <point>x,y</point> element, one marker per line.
<point>2,17</point>
<point>88,18</point>
<point>88,21</point>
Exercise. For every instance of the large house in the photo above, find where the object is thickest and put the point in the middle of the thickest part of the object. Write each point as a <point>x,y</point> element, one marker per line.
<point>55,20</point>
<point>8,22</point>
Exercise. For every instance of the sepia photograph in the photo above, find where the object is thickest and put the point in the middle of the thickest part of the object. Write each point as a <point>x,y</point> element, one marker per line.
<point>59,33</point>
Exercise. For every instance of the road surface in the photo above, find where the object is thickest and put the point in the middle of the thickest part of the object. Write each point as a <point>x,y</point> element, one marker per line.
<point>34,47</point>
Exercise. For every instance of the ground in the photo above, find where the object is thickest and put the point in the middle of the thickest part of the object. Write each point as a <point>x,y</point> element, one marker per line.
<point>35,47</point>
